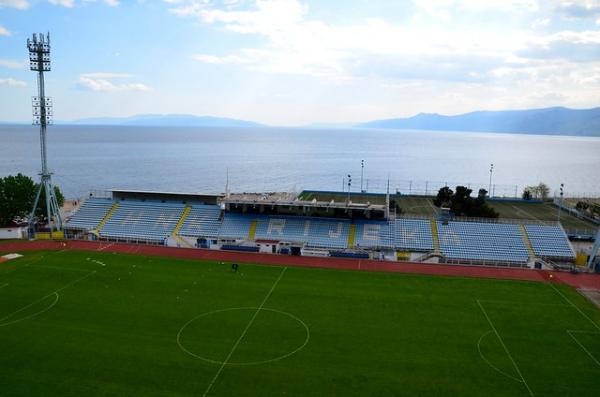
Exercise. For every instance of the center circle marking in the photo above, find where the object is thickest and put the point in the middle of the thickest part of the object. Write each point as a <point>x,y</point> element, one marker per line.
<point>209,360</point>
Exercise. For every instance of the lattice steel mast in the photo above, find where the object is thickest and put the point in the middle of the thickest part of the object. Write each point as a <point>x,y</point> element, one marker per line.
<point>39,61</point>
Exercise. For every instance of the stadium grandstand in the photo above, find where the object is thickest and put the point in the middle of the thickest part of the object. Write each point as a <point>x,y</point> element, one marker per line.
<point>291,226</point>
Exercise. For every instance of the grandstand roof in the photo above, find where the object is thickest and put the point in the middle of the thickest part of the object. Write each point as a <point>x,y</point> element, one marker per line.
<point>312,204</point>
<point>206,198</point>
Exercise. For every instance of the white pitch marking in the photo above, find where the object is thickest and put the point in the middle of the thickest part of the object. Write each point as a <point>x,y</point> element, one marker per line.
<point>44,297</point>
<point>504,346</point>
<point>243,333</point>
<point>31,315</point>
<point>306,340</point>
<point>576,308</point>
<point>583,347</point>
<point>488,362</point>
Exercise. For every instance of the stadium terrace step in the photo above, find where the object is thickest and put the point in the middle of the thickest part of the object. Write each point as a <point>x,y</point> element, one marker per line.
<point>435,236</point>
<point>527,242</point>
<point>252,231</point>
<point>106,218</point>
<point>186,211</point>
<point>182,242</point>
<point>351,235</point>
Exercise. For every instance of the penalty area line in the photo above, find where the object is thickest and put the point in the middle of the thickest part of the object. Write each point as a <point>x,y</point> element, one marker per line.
<point>570,332</point>
<point>504,346</point>
<point>243,333</point>
<point>47,296</point>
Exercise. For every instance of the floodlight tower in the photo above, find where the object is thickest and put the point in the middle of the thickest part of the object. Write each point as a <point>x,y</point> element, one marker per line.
<point>39,61</point>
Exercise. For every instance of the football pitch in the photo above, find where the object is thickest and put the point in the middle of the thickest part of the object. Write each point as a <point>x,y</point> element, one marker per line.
<point>78,323</point>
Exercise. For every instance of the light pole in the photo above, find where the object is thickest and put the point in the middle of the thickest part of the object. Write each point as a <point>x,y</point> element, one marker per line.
<point>562,185</point>
<point>39,61</point>
<point>349,186</point>
<point>491,171</point>
<point>362,172</point>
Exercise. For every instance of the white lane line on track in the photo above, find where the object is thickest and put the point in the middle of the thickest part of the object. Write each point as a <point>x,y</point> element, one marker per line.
<point>504,346</point>
<point>243,333</point>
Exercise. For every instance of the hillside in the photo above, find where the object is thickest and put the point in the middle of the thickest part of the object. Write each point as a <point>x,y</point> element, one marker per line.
<point>548,121</point>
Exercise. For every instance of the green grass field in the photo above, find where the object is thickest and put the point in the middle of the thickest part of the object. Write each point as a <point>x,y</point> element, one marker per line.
<point>97,324</point>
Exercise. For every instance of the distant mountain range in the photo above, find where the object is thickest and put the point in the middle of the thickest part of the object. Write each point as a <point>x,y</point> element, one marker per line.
<point>170,120</point>
<point>548,121</point>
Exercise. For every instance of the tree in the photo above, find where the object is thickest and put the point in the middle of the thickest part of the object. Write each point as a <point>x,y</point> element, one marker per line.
<point>17,194</point>
<point>539,192</point>
<point>443,197</point>
<point>543,190</point>
<point>461,202</point>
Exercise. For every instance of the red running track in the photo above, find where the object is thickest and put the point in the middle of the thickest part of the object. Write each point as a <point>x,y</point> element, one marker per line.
<point>587,280</point>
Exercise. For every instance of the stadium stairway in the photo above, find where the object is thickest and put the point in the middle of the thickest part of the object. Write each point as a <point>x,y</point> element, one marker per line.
<point>527,242</point>
<point>110,212</point>
<point>252,230</point>
<point>435,236</point>
<point>351,235</point>
<point>184,215</point>
<point>175,233</point>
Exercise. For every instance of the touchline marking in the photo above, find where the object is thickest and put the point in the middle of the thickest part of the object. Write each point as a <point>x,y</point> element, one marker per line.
<point>576,307</point>
<point>47,296</point>
<point>243,333</point>
<point>570,332</point>
<point>504,346</point>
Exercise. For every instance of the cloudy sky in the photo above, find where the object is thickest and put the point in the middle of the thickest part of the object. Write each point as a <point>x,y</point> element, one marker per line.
<point>294,62</point>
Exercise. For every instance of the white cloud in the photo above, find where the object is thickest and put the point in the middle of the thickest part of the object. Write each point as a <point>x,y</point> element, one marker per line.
<point>296,44</point>
<point>12,82</point>
<point>101,82</point>
<point>12,64</point>
<point>581,46</point>
<point>580,8</point>
<point>64,3</point>
<point>436,7</point>
<point>112,3</point>
<point>20,4</point>
<point>4,31</point>
<point>107,75</point>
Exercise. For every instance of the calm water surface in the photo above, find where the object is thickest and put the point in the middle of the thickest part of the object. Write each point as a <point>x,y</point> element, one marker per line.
<point>86,158</point>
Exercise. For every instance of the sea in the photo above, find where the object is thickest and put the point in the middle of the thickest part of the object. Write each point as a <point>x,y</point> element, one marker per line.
<point>193,159</point>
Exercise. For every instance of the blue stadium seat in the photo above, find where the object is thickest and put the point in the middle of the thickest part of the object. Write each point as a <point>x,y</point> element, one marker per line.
<point>482,242</point>
<point>550,242</point>
<point>90,214</point>
<point>149,221</point>
<point>236,225</point>
<point>202,221</point>
<point>315,232</point>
